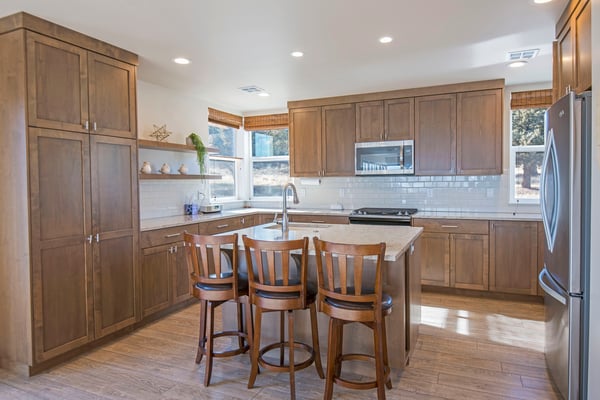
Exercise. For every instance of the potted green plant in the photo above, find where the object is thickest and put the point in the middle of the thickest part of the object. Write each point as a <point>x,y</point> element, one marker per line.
<point>200,151</point>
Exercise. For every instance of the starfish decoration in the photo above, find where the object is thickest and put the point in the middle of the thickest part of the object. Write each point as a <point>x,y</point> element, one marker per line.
<point>160,133</point>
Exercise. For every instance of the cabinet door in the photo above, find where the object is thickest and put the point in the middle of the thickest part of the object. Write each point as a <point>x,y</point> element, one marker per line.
<point>57,84</point>
<point>513,257</point>
<point>399,119</point>
<point>479,133</point>
<point>155,279</point>
<point>435,259</point>
<point>60,252</point>
<point>338,140</point>
<point>115,227</point>
<point>112,97</point>
<point>180,275</point>
<point>305,141</point>
<point>469,266</point>
<point>435,135</point>
<point>369,121</point>
<point>566,56</point>
<point>583,47</point>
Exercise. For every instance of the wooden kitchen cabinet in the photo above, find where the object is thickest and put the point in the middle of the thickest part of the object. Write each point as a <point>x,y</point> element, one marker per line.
<point>479,133</point>
<point>73,89</point>
<point>322,141</point>
<point>514,257</point>
<point>226,224</point>
<point>435,135</point>
<point>573,49</point>
<point>165,277</point>
<point>455,253</point>
<point>385,120</point>
<point>413,295</point>
<point>73,201</point>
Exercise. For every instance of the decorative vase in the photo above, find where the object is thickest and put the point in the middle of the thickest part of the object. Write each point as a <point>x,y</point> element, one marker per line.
<point>165,169</point>
<point>183,170</point>
<point>146,168</point>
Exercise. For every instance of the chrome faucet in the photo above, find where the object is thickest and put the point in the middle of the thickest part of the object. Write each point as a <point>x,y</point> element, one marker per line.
<point>284,216</point>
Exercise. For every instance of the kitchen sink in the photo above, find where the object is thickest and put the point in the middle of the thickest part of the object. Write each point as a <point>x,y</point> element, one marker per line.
<point>299,225</point>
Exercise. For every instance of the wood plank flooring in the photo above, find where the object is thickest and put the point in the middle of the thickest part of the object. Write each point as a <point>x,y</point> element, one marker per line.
<point>468,348</point>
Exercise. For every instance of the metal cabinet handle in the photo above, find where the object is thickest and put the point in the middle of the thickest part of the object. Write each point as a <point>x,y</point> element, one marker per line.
<point>173,235</point>
<point>90,239</point>
<point>449,226</point>
<point>86,125</point>
<point>222,226</point>
<point>243,220</point>
<point>97,238</point>
<point>95,126</point>
<point>412,249</point>
<point>318,222</point>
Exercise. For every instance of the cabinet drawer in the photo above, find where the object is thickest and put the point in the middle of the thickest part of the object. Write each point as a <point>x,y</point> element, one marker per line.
<point>452,225</point>
<point>226,224</point>
<point>158,237</point>
<point>319,219</point>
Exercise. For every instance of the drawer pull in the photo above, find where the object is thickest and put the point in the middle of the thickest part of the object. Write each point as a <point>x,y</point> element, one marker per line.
<point>222,226</point>
<point>173,235</point>
<point>449,226</point>
<point>318,222</point>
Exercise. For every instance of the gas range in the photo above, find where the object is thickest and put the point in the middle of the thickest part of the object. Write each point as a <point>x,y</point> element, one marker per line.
<point>382,216</point>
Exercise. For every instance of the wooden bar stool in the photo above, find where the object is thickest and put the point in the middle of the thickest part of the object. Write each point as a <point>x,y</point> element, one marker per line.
<point>346,297</point>
<point>274,285</point>
<point>215,284</point>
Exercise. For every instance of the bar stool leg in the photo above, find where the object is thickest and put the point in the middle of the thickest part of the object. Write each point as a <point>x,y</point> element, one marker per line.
<point>315,340</point>
<point>209,343</point>
<point>255,348</point>
<point>249,323</point>
<point>281,337</point>
<point>386,362</point>
<point>290,315</point>
<point>379,370</point>
<point>240,325</point>
<point>331,359</point>
<point>202,335</point>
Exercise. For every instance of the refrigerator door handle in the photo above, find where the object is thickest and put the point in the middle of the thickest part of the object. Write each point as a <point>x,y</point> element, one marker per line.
<point>549,190</point>
<point>546,287</point>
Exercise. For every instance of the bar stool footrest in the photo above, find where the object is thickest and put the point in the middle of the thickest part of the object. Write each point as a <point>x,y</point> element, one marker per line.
<point>284,368</point>
<point>229,352</point>
<point>362,385</point>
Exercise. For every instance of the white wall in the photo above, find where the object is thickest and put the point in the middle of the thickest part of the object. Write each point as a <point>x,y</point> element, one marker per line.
<point>594,333</point>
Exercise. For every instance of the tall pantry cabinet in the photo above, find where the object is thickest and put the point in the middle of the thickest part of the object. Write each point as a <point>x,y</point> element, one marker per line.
<point>68,167</point>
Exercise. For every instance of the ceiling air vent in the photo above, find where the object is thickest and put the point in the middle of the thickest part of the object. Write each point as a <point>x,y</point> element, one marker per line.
<point>252,89</point>
<point>522,55</point>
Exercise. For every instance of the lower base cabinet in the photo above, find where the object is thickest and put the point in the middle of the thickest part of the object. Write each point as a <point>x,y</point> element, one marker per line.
<point>165,279</point>
<point>514,257</point>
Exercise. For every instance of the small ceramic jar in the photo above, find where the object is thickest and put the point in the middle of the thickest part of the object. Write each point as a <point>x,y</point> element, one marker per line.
<point>146,168</point>
<point>165,169</point>
<point>183,170</point>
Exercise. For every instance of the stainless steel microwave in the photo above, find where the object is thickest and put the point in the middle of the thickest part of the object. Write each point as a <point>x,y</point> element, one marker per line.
<point>384,158</point>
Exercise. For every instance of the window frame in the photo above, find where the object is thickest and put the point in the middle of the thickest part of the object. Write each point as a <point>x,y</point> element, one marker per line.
<point>253,159</point>
<point>234,159</point>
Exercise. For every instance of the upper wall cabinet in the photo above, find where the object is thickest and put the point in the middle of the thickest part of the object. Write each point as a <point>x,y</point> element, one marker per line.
<point>573,49</point>
<point>73,89</point>
<point>479,133</point>
<point>385,120</point>
<point>322,141</point>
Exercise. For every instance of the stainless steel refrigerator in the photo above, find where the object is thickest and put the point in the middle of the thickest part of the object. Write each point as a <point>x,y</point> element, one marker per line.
<point>565,206</point>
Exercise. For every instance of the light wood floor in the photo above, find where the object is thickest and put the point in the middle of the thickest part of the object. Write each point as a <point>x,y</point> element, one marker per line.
<point>468,348</point>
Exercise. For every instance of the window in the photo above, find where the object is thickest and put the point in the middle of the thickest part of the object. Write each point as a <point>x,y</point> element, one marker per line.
<point>526,154</point>
<point>225,162</point>
<point>270,162</point>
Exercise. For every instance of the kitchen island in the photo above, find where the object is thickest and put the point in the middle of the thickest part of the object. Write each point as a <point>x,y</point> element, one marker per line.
<point>401,277</point>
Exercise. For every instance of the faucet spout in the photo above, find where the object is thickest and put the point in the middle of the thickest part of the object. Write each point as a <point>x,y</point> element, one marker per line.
<point>284,216</point>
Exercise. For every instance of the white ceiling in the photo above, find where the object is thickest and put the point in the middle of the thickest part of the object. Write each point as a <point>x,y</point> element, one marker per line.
<point>235,43</point>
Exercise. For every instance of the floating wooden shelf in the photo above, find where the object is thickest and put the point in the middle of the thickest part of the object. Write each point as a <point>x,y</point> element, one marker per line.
<point>150,144</point>
<point>177,176</point>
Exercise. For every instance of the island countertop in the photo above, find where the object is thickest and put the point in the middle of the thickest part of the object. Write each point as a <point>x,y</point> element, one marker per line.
<point>397,238</point>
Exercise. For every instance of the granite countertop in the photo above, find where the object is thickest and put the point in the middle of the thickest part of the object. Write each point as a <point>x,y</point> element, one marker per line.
<point>516,216</point>
<point>397,238</point>
<point>179,220</point>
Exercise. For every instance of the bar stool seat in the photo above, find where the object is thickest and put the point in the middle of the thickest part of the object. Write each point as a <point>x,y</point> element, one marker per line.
<point>277,279</point>
<point>347,296</point>
<point>214,285</point>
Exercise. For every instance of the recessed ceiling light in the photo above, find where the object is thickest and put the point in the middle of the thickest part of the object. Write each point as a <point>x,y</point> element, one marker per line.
<point>297,54</point>
<point>181,60</point>
<point>541,1</point>
<point>517,64</point>
<point>385,39</point>
<point>264,94</point>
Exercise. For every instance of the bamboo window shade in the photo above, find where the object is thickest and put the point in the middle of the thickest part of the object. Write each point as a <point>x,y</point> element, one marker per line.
<point>264,122</point>
<point>531,99</point>
<point>224,118</point>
